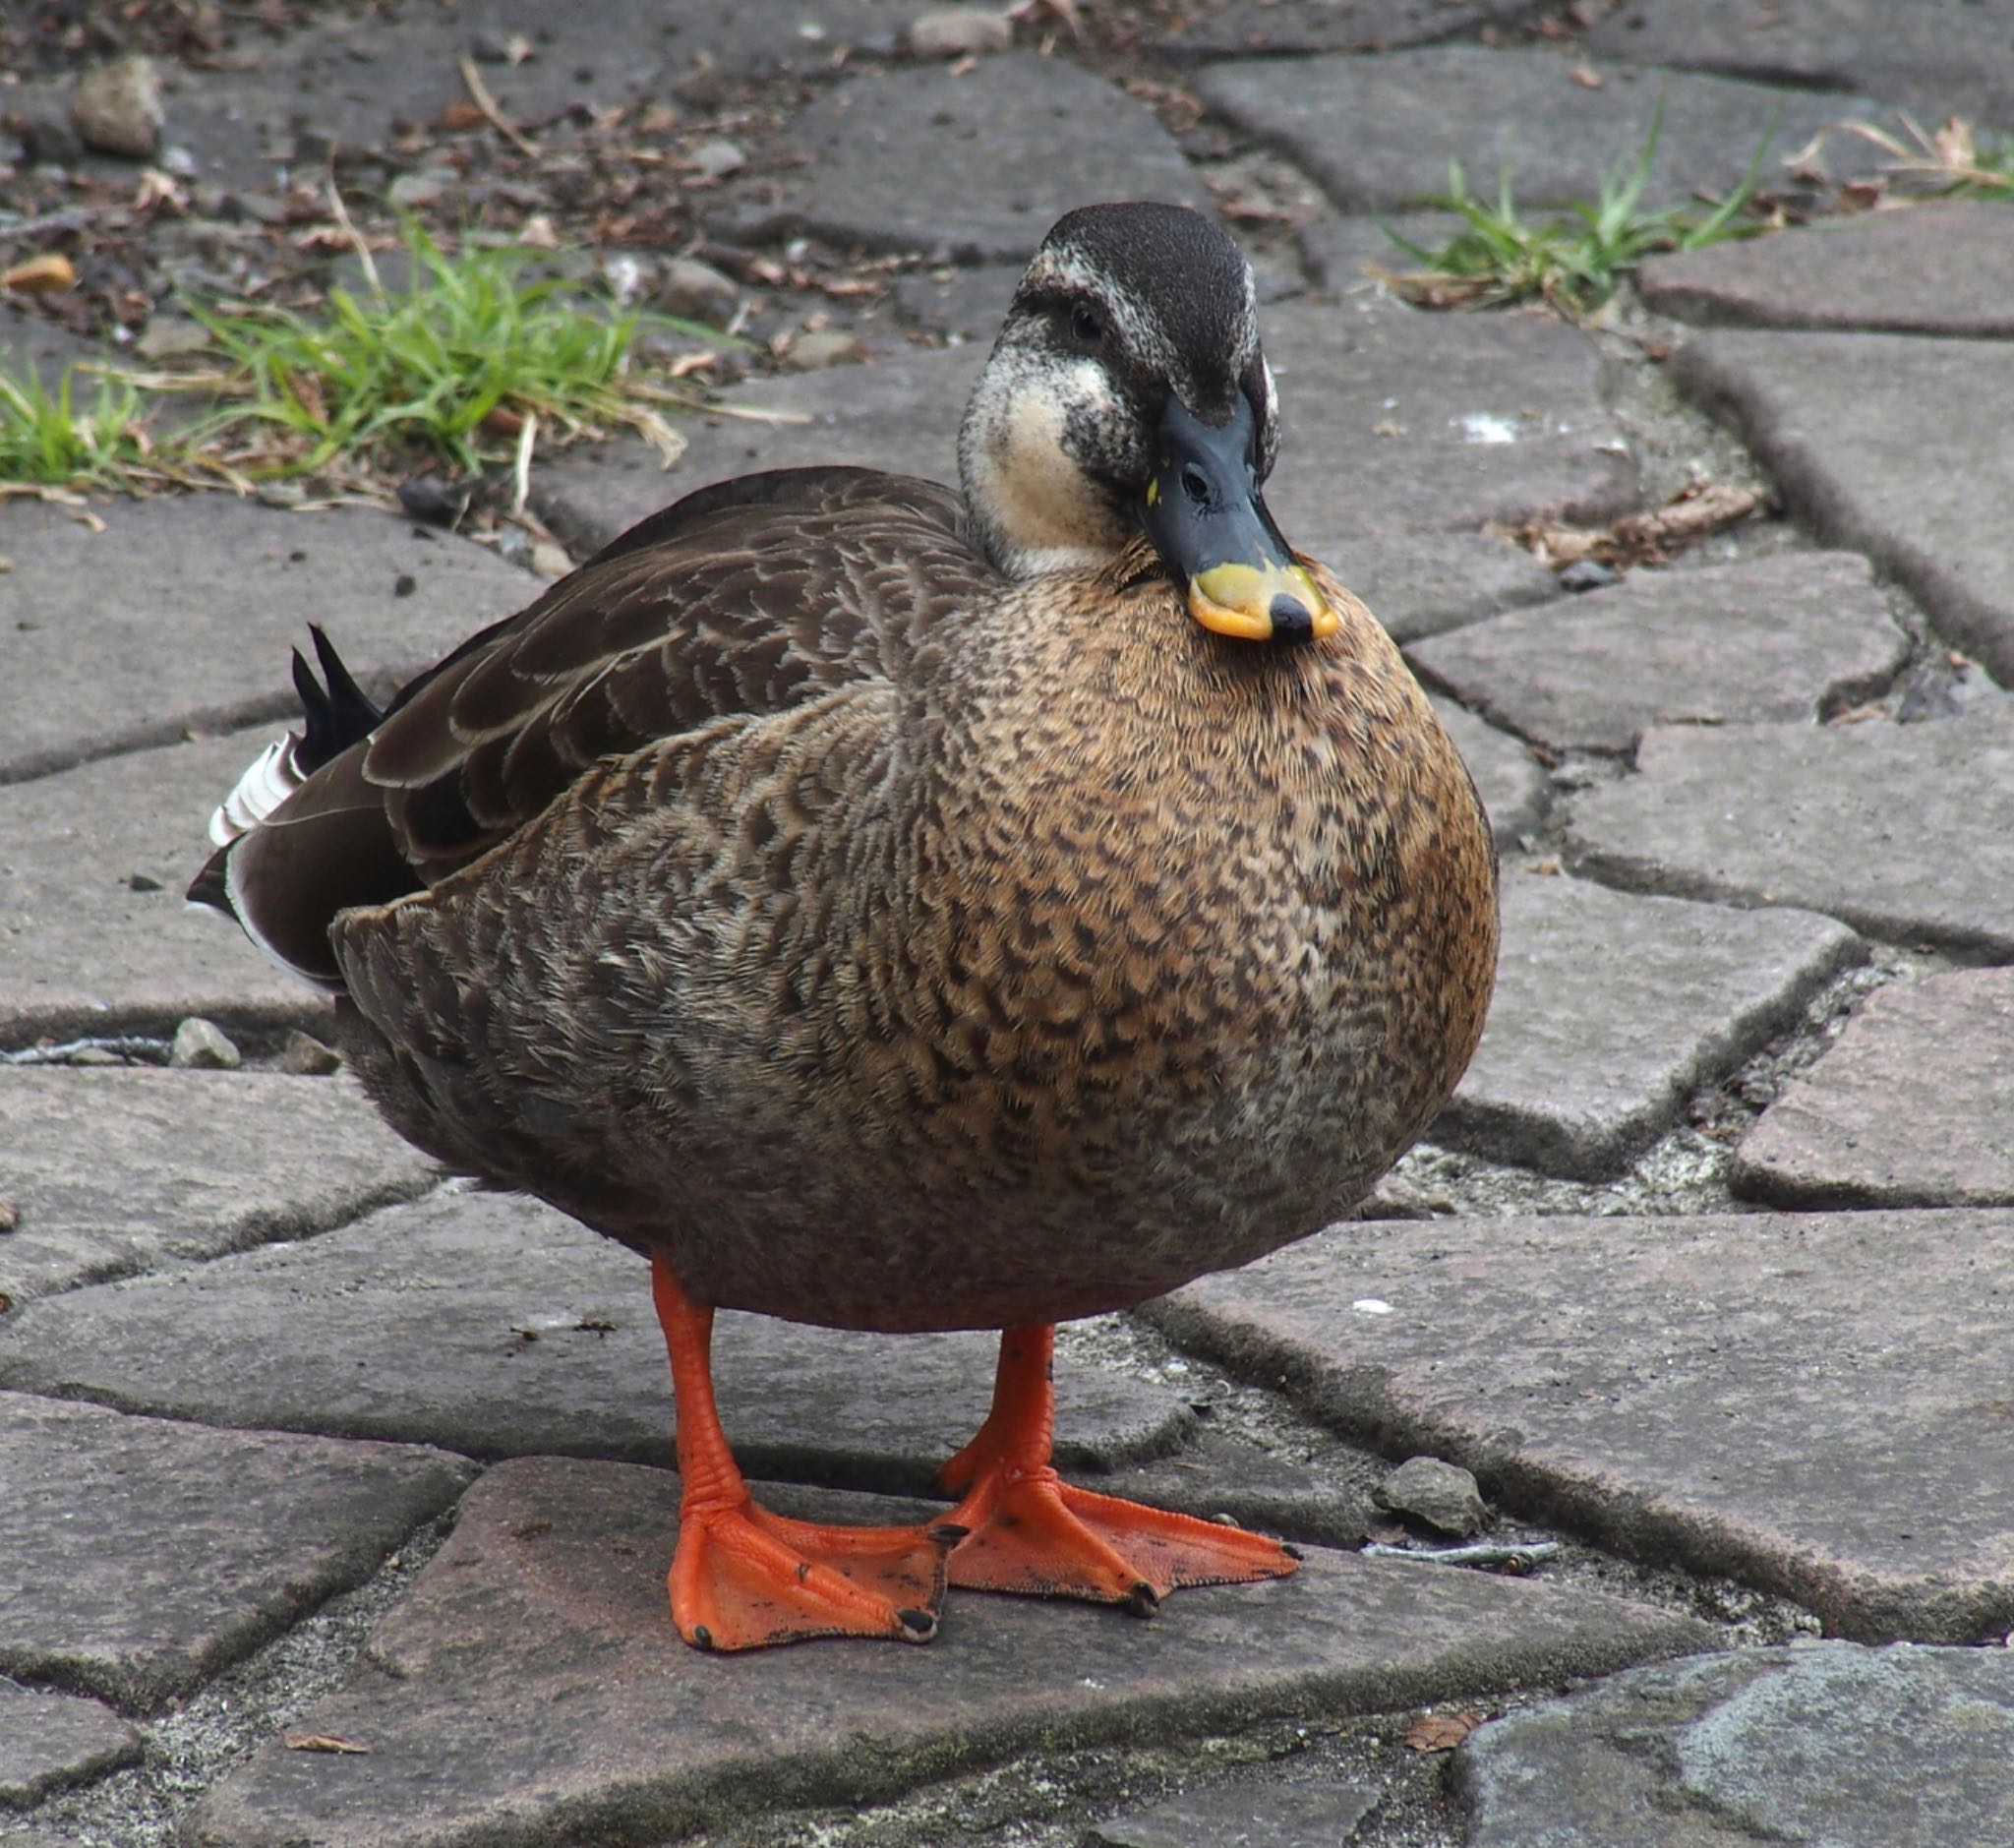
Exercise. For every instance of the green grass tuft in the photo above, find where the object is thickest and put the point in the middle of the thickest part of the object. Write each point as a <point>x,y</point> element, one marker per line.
<point>47,441</point>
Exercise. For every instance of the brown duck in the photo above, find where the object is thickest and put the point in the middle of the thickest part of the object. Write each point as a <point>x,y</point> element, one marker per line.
<point>897,909</point>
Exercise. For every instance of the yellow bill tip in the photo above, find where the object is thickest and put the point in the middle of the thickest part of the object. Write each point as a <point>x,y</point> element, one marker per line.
<point>1245,601</point>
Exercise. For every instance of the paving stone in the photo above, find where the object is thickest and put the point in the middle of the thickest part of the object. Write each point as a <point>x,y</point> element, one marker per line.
<point>111,1171</point>
<point>1213,1476</point>
<point>1831,1744</point>
<point>966,303</point>
<point>181,613</point>
<point>1611,1010</point>
<point>1346,252</point>
<point>81,950</point>
<point>1310,1812</point>
<point>975,168</point>
<point>1424,583</point>
<point>146,1555</point>
<point>1906,831</point>
<point>1785,637</point>
<point>1379,133</point>
<point>1912,1106</point>
<point>531,1680</point>
<point>476,1322</point>
<point>1844,423</point>
<point>1812,1404</point>
<point>1933,57</point>
<point>50,1741</point>
<point>1516,792</point>
<point>1864,273</point>
<point>1299,27</point>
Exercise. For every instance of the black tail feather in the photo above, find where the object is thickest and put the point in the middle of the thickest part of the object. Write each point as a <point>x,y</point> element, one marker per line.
<point>335,719</point>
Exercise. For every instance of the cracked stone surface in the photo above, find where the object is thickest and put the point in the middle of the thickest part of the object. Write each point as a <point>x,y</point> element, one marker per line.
<point>1379,133</point>
<point>51,1740</point>
<point>94,935</point>
<point>201,1543</point>
<point>1905,831</point>
<point>1912,1106</point>
<point>1610,1009</point>
<point>1315,1813</point>
<point>532,1671</point>
<point>112,1170</point>
<point>1864,273</point>
<point>1933,57</point>
<point>1830,1742</point>
<point>1298,28</point>
<point>1786,637</point>
<point>458,1321</point>
<point>1811,1403</point>
<point>1842,460</point>
<point>894,159</point>
<point>133,636</point>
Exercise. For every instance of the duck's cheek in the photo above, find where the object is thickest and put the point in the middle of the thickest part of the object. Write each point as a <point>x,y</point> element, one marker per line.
<point>1042,501</point>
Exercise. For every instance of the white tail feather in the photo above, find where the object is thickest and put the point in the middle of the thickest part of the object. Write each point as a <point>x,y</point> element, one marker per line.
<point>274,775</point>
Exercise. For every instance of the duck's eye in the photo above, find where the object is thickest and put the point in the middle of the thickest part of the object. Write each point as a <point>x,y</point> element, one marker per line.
<point>1086,329</point>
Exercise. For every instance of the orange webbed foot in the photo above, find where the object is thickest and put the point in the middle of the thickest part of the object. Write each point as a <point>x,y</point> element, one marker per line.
<point>1031,1532</point>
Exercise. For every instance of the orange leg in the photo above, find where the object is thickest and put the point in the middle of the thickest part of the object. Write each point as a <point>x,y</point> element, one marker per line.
<point>1031,1531</point>
<point>743,1577</point>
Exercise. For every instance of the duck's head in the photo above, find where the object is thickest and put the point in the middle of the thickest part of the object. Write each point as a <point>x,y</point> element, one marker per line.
<point>1126,394</point>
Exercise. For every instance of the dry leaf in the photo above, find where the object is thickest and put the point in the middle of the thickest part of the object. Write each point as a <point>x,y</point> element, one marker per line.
<point>1587,76</point>
<point>47,274</point>
<point>320,1742</point>
<point>1440,1732</point>
<point>458,115</point>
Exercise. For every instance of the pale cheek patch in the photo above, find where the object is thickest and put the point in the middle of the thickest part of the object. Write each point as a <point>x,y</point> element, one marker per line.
<point>1042,499</point>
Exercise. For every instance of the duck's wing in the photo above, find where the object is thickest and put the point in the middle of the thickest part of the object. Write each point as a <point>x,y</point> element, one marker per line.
<point>747,598</point>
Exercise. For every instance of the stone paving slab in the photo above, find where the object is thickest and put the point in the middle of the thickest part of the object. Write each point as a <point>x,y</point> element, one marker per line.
<point>474,1321</point>
<point>972,167</point>
<point>1346,252</point>
<point>51,1741</point>
<point>1612,1009</point>
<point>136,636</point>
<point>1379,133</point>
<point>1905,831</point>
<point>1933,57</point>
<point>1912,1106</point>
<point>1312,1814</point>
<point>1515,791</point>
<point>1814,1403</point>
<point>94,934</point>
<point>1853,464</point>
<point>1426,583</point>
<point>1828,1743</point>
<point>531,1683</point>
<point>1785,637</point>
<point>110,1171</point>
<point>146,1555</point>
<point>1866,274</point>
<point>1301,28</point>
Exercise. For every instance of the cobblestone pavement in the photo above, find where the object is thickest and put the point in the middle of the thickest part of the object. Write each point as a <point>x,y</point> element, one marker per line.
<point>337,1501</point>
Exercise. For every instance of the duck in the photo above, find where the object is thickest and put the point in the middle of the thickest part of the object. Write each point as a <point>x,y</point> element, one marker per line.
<point>890,907</point>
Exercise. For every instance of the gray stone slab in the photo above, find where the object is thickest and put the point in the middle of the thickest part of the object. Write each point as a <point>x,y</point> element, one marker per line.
<point>1347,254</point>
<point>1379,133</point>
<point>1830,1742</point>
<point>81,950</point>
<point>1497,419</point>
<point>1215,1478</point>
<point>1845,422</point>
<point>1515,790</point>
<point>1812,1404</point>
<point>112,1170</point>
<point>1785,637</point>
<point>975,168</point>
<point>51,1741</point>
<point>1912,1106</point>
<point>1611,1010</point>
<point>495,1325</point>
<point>1906,831</point>
<point>965,303</point>
<point>1867,274</point>
<point>146,1555</point>
<point>531,1681</point>
<point>1301,28</point>
<point>1934,57</point>
<point>1310,1812</point>
<point>1424,583</point>
<point>180,614</point>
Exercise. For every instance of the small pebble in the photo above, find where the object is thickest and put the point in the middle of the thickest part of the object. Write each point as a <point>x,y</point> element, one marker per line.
<point>960,32</point>
<point>696,291</point>
<point>142,883</point>
<point>1441,1494</point>
<point>117,108</point>
<point>548,560</point>
<point>1587,574</point>
<point>10,1215</point>
<point>404,585</point>
<point>436,502</point>
<point>717,158</point>
<point>180,162</point>
<point>170,338</point>
<point>828,346</point>
<point>411,190</point>
<point>305,1056</point>
<point>202,1046</point>
<point>279,494</point>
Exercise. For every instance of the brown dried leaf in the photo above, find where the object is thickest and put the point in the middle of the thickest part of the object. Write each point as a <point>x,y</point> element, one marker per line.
<point>320,1742</point>
<point>1440,1732</point>
<point>51,274</point>
<point>1587,76</point>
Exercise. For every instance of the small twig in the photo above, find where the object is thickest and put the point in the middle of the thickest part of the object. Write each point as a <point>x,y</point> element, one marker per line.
<point>479,95</point>
<point>1479,1553</point>
<point>520,469</point>
<point>357,244</point>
